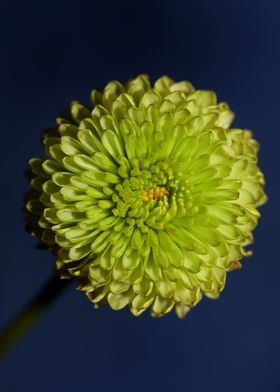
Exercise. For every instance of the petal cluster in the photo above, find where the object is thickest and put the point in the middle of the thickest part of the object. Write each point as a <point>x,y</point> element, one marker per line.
<point>147,196</point>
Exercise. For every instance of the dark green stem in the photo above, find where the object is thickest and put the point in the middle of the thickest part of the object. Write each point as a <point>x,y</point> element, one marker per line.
<point>31,313</point>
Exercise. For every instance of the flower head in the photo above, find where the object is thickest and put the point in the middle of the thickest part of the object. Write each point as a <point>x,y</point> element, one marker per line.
<point>148,197</point>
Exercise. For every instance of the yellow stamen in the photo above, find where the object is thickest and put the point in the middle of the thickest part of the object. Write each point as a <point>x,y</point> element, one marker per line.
<point>154,193</point>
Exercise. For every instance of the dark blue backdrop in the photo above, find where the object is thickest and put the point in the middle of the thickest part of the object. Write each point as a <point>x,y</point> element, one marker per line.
<point>52,53</point>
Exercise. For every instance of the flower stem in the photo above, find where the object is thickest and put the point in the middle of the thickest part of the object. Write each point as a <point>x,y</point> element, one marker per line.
<point>31,313</point>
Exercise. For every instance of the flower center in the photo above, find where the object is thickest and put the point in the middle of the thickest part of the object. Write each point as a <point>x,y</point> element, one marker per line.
<point>156,193</point>
<point>150,195</point>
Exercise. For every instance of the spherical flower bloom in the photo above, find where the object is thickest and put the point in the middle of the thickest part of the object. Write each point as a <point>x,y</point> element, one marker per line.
<point>148,197</point>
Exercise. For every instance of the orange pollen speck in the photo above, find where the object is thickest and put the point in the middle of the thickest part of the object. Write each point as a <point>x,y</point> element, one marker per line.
<point>154,193</point>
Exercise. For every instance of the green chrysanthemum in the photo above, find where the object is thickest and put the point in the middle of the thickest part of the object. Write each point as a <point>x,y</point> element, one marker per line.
<point>149,198</point>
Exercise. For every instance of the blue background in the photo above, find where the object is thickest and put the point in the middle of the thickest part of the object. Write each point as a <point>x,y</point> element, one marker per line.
<point>52,53</point>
